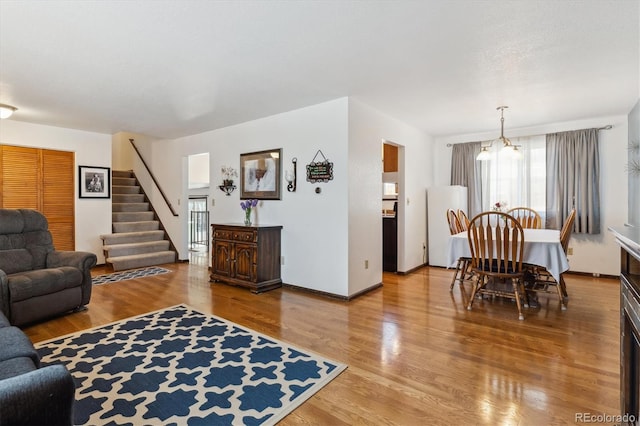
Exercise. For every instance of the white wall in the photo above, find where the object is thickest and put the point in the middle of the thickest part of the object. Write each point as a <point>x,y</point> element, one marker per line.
<point>591,253</point>
<point>199,174</point>
<point>326,236</point>
<point>368,128</point>
<point>121,151</point>
<point>93,216</point>
<point>315,235</point>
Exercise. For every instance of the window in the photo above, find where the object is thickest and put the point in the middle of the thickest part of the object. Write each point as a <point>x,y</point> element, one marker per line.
<point>518,182</point>
<point>557,173</point>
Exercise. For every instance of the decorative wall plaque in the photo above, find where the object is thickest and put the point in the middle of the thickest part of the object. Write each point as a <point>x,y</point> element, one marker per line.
<point>319,171</point>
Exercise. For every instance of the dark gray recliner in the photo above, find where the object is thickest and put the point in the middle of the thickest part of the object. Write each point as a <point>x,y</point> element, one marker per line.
<point>36,281</point>
<point>31,394</point>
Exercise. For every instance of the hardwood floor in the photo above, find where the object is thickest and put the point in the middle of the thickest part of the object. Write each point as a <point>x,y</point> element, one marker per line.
<point>415,355</point>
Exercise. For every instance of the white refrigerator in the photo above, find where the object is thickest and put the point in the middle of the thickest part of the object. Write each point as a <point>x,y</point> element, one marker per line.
<point>439,200</point>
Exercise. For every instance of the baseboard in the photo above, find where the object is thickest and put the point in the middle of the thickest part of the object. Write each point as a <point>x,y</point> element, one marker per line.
<point>593,275</point>
<point>412,270</point>
<point>331,295</point>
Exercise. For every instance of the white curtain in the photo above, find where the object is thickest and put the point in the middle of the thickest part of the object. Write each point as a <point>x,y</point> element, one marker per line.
<point>516,182</point>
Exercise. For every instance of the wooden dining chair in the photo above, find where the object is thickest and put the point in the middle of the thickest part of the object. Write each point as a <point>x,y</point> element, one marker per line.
<point>463,219</point>
<point>496,241</point>
<point>461,273</point>
<point>455,227</point>
<point>543,280</point>
<point>528,218</point>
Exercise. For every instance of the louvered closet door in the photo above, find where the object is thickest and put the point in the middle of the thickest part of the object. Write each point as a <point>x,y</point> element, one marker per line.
<point>43,180</point>
<point>21,177</point>
<point>58,197</point>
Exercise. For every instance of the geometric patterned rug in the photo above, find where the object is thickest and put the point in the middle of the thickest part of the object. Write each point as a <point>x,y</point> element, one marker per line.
<point>128,275</point>
<point>178,366</point>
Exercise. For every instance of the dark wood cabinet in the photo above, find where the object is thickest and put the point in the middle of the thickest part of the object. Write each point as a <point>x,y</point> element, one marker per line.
<point>629,239</point>
<point>247,256</point>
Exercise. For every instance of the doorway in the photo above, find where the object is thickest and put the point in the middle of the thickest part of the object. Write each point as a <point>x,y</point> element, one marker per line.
<point>198,207</point>
<point>392,209</point>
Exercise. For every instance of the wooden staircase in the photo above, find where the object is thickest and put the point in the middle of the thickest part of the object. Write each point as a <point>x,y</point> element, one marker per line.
<point>137,239</point>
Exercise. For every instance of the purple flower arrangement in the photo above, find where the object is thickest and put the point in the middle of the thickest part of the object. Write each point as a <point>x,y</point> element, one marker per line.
<point>247,206</point>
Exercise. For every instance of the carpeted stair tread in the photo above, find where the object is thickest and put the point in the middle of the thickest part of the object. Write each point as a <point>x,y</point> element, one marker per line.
<point>132,237</point>
<point>136,248</point>
<point>129,207</point>
<point>125,189</point>
<point>137,239</point>
<point>128,198</point>
<point>132,216</point>
<point>121,173</point>
<point>122,181</point>
<point>151,225</point>
<point>121,263</point>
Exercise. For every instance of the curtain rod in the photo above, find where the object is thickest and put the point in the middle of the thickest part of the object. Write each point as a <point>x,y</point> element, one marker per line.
<point>607,127</point>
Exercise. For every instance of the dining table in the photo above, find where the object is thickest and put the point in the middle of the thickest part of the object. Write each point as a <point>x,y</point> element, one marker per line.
<point>542,247</point>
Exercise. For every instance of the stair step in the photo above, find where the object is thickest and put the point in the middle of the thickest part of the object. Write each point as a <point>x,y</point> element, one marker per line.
<point>132,216</point>
<point>132,237</point>
<point>125,189</point>
<point>151,225</point>
<point>135,248</point>
<point>120,181</point>
<point>128,198</point>
<point>129,207</point>
<point>121,263</point>
<point>121,174</point>
<point>137,240</point>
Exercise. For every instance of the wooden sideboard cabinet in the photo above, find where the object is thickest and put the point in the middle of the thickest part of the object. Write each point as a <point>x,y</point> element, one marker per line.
<point>247,256</point>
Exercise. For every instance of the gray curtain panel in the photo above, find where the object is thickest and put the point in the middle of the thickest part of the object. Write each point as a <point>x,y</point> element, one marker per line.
<point>466,172</point>
<point>573,180</point>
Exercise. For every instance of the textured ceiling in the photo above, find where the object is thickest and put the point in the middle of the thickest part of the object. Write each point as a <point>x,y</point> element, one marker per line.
<point>174,68</point>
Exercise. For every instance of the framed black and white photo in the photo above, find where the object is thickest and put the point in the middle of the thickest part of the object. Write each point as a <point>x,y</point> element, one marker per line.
<point>94,182</point>
<point>261,175</point>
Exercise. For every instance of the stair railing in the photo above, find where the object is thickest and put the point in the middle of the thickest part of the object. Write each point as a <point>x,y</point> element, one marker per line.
<point>153,178</point>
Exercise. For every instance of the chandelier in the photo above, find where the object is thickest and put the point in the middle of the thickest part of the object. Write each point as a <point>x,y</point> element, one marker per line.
<point>508,149</point>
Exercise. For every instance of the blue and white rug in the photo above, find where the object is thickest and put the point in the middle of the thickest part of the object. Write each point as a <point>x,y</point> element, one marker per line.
<point>178,366</point>
<point>128,275</point>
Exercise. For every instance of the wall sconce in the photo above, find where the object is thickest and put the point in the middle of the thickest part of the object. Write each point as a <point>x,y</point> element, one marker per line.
<point>228,173</point>
<point>227,188</point>
<point>292,176</point>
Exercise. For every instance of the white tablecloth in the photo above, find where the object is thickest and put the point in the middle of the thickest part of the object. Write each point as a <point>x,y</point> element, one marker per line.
<point>541,247</point>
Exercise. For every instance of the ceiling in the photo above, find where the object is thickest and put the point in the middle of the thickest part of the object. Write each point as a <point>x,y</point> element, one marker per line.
<point>171,68</point>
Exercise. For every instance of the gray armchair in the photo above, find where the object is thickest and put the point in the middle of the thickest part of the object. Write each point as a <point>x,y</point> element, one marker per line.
<point>36,281</point>
<point>31,394</point>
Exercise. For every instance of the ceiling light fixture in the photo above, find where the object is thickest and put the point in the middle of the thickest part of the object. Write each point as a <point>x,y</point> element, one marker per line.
<point>484,154</point>
<point>508,149</point>
<point>6,111</point>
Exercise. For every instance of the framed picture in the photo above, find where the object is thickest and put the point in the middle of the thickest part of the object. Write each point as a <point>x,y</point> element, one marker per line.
<point>94,182</point>
<point>260,175</point>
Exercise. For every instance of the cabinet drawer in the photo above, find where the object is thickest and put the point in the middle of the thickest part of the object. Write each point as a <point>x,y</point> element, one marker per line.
<point>233,234</point>
<point>222,234</point>
<point>244,236</point>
